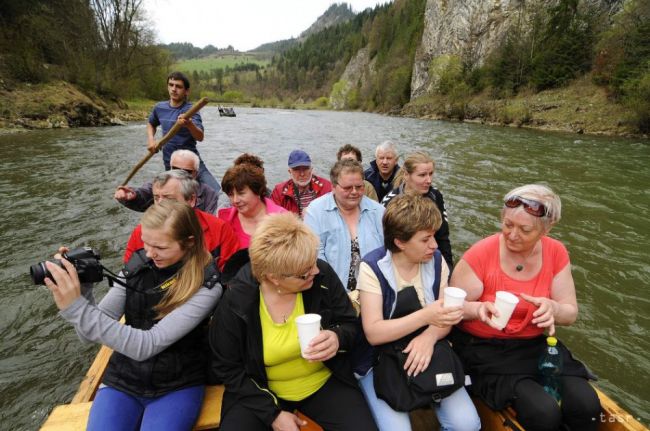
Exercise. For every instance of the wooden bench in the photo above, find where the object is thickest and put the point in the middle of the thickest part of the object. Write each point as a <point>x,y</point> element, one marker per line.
<point>74,417</point>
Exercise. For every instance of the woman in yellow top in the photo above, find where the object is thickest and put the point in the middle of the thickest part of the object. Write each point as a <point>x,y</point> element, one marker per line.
<point>254,340</point>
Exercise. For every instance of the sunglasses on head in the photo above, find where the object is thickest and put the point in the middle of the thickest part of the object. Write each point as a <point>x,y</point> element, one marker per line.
<point>532,207</point>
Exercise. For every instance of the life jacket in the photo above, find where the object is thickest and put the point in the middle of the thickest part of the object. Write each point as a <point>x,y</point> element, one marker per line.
<point>364,355</point>
<point>181,365</point>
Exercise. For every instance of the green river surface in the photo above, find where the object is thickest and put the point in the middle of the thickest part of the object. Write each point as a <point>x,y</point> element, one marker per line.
<point>57,187</point>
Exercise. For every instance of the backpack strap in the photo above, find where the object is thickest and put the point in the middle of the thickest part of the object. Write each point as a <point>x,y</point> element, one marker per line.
<point>437,268</point>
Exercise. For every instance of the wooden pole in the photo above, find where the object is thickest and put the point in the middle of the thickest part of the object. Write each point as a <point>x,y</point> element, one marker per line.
<point>175,128</point>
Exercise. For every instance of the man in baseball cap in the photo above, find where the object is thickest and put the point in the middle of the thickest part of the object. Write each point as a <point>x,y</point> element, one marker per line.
<point>303,187</point>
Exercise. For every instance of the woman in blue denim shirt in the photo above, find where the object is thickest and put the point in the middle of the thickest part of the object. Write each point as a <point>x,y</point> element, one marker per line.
<point>347,222</point>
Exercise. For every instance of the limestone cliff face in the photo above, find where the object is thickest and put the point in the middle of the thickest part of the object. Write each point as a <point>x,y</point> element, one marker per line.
<point>459,27</point>
<point>471,29</point>
<point>357,75</point>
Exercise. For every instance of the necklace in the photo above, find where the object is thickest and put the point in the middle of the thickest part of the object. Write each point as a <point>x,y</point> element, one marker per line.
<point>520,267</point>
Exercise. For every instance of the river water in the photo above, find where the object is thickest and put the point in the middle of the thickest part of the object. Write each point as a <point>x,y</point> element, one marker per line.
<point>57,188</point>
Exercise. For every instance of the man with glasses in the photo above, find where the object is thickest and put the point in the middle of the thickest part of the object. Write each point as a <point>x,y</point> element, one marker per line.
<point>303,187</point>
<point>348,151</point>
<point>141,198</point>
<point>176,184</point>
<point>347,222</point>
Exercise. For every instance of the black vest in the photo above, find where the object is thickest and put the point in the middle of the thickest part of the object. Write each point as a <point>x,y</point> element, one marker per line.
<point>181,365</point>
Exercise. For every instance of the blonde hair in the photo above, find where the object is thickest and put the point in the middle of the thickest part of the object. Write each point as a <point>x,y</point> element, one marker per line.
<point>410,163</point>
<point>182,225</point>
<point>406,215</point>
<point>282,242</point>
<point>542,194</point>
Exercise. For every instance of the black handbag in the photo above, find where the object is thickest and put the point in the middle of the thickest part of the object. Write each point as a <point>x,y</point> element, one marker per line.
<point>441,378</point>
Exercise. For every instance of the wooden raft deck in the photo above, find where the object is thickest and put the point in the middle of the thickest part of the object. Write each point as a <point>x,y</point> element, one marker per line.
<point>74,416</point>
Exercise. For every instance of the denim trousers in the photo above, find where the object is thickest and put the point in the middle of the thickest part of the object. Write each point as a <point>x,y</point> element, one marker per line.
<point>455,412</point>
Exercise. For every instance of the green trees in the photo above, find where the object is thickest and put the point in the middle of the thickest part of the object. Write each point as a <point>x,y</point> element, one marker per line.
<point>544,48</point>
<point>391,32</point>
<point>623,60</point>
<point>101,45</point>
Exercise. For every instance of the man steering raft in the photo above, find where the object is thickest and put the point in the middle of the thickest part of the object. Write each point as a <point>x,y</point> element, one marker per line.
<point>168,113</point>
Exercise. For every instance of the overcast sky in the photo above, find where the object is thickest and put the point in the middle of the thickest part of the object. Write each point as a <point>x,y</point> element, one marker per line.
<point>244,24</point>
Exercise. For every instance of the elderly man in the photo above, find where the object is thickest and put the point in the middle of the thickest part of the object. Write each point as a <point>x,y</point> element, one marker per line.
<point>382,170</point>
<point>303,187</point>
<point>141,198</point>
<point>220,239</point>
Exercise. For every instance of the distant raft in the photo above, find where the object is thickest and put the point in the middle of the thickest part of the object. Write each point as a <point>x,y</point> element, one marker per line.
<point>226,112</point>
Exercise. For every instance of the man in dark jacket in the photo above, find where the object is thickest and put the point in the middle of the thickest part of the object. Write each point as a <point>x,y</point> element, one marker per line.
<point>382,170</point>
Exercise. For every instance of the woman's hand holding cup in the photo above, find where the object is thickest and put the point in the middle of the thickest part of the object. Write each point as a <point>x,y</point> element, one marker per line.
<point>322,347</point>
<point>438,315</point>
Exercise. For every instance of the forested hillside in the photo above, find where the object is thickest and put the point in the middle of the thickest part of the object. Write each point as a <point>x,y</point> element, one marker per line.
<point>531,63</point>
<point>100,45</point>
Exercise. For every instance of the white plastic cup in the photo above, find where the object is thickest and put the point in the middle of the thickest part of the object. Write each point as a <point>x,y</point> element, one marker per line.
<point>505,302</point>
<point>454,297</point>
<point>308,328</point>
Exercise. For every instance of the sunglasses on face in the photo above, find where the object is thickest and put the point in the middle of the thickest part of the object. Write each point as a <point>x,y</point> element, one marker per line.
<point>532,207</point>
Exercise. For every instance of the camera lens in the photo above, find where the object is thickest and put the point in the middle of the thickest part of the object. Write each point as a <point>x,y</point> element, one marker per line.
<point>39,272</point>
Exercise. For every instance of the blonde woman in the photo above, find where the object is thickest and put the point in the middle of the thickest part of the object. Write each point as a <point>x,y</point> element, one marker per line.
<point>523,260</point>
<point>254,339</point>
<point>416,176</point>
<point>156,377</point>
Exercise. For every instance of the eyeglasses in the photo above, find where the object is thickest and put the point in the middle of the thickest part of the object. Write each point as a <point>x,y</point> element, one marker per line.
<point>348,189</point>
<point>532,207</point>
<point>301,277</point>
<point>189,171</point>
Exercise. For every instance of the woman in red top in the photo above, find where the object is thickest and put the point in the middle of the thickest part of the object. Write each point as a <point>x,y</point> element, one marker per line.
<point>524,261</point>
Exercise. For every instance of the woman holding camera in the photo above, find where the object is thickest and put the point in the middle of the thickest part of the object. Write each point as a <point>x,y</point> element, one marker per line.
<point>156,377</point>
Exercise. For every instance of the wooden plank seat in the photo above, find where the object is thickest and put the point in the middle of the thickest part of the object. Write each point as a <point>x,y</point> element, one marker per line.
<point>74,417</point>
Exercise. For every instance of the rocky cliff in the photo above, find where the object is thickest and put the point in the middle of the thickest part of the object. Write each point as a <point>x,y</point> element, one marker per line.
<point>471,29</point>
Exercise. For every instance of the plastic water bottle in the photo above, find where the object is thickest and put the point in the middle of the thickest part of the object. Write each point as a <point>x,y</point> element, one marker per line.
<point>550,368</point>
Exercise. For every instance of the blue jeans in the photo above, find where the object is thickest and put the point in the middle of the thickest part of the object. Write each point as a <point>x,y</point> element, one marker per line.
<point>205,177</point>
<point>116,410</point>
<point>455,412</point>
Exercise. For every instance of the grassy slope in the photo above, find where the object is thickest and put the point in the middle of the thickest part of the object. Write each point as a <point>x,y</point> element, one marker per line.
<point>58,104</point>
<point>581,107</point>
<point>218,62</point>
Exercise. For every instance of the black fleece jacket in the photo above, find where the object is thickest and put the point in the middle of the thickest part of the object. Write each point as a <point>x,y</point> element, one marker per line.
<point>236,338</point>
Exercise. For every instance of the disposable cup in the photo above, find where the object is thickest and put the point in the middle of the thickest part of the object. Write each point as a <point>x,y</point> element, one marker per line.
<point>454,297</point>
<point>308,328</point>
<point>505,302</point>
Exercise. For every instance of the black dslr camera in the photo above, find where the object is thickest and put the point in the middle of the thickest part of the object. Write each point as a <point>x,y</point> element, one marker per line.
<point>85,261</point>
